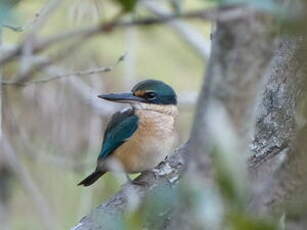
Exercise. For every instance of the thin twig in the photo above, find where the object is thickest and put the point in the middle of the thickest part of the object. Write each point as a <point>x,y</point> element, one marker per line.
<point>14,28</point>
<point>46,9</point>
<point>186,32</point>
<point>85,92</point>
<point>60,76</point>
<point>38,63</point>
<point>42,16</point>
<point>215,14</point>
<point>80,73</point>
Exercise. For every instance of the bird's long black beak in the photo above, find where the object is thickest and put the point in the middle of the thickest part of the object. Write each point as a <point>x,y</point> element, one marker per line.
<point>121,97</point>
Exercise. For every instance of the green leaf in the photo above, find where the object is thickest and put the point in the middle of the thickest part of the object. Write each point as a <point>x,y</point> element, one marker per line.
<point>127,5</point>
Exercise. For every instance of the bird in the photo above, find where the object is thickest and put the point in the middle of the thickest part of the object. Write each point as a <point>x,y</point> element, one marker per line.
<point>139,138</point>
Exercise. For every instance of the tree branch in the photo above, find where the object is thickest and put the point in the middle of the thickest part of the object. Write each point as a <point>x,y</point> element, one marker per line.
<point>190,35</point>
<point>105,215</point>
<point>22,82</point>
<point>215,14</point>
<point>48,218</point>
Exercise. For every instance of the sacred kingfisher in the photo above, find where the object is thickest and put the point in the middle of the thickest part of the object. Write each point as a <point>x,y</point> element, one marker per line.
<point>138,139</point>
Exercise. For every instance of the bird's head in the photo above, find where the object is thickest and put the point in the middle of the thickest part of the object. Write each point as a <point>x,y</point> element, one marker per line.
<point>146,94</point>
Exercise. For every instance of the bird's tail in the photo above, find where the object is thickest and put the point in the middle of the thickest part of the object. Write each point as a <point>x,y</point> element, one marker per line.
<point>92,178</point>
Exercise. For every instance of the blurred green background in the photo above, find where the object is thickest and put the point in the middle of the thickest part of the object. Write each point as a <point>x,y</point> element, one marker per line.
<point>54,129</point>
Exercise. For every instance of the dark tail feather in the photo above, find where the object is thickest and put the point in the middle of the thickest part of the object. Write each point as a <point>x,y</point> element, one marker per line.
<point>91,178</point>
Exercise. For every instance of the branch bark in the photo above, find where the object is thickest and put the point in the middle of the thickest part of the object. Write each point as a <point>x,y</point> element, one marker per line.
<point>280,153</point>
<point>107,215</point>
<point>233,79</point>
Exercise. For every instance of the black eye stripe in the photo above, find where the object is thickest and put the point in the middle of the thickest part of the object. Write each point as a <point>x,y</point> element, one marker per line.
<point>150,95</point>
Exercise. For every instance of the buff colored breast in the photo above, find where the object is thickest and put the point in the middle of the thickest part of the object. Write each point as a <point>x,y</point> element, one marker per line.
<point>154,139</point>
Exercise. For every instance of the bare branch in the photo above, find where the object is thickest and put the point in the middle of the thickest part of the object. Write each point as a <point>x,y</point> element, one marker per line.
<point>44,62</point>
<point>77,74</point>
<point>87,94</point>
<point>215,14</point>
<point>24,176</point>
<point>12,27</point>
<point>167,173</point>
<point>39,18</point>
<point>31,66</point>
<point>43,15</point>
<point>189,34</point>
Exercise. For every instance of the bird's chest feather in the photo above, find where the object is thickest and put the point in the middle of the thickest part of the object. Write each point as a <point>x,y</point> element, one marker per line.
<point>154,139</point>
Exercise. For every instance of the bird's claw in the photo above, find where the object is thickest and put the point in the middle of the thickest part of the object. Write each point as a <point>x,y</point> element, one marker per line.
<point>136,181</point>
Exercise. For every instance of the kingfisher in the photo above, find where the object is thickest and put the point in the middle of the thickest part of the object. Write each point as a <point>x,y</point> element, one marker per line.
<point>141,137</point>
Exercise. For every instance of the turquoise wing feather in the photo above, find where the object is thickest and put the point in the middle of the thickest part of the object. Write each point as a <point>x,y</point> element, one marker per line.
<point>120,128</point>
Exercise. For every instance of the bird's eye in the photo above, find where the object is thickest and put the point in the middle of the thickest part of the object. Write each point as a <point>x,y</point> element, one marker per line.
<point>150,95</point>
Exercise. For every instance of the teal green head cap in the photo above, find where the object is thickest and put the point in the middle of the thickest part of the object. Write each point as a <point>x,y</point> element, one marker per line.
<point>155,92</point>
<point>148,91</point>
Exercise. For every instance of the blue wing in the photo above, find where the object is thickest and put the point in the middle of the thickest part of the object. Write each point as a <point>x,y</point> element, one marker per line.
<point>120,128</point>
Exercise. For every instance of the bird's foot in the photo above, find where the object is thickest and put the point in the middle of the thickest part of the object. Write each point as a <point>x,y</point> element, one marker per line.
<point>140,183</point>
<point>136,181</point>
<point>162,163</point>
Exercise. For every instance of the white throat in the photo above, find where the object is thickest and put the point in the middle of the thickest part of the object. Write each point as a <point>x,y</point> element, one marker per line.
<point>165,109</point>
